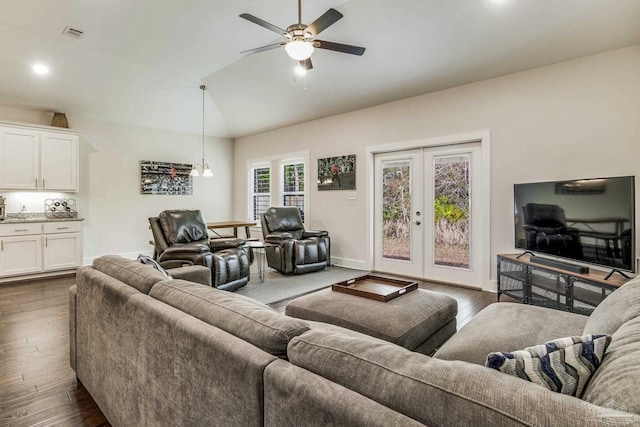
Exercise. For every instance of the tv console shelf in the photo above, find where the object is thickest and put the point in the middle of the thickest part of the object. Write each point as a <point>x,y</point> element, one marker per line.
<point>552,287</point>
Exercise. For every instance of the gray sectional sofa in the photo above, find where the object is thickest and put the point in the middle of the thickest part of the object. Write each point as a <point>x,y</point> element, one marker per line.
<point>158,352</point>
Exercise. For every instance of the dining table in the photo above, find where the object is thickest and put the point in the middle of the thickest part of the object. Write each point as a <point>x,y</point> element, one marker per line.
<point>213,226</point>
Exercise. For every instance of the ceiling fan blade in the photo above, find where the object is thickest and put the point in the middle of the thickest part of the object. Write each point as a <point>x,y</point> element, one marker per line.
<point>306,64</point>
<point>325,21</point>
<point>262,23</point>
<point>339,47</point>
<point>263,48</point>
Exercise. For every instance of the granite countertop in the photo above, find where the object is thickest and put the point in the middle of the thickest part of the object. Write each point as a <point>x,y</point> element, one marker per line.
<point>21,218</point>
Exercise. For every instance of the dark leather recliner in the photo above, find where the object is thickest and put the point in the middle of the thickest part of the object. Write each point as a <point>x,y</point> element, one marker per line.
<point>291,249</point>
<point>181,238</point>
<point>546,231</point>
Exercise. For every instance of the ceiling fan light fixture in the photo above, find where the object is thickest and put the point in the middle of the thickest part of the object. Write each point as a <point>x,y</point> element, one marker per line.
<point>299,49</point>
<point>194,172</point>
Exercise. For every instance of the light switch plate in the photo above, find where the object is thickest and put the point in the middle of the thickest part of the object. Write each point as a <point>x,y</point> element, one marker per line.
<point>351,195</point>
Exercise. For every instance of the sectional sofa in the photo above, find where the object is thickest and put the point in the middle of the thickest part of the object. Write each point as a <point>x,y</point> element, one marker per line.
<point>159,352</point>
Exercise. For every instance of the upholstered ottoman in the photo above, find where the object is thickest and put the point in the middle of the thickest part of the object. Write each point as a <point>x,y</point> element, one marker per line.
<point>419,320</point>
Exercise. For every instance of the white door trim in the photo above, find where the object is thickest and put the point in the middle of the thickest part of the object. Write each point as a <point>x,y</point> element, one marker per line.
<point>483,137</point>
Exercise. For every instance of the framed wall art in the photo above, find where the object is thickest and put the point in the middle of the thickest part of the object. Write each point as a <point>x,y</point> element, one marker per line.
<point>165,178</point>
<point>337,173</point>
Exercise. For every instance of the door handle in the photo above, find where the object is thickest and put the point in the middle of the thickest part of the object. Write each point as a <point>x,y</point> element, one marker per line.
<point>418,223</point>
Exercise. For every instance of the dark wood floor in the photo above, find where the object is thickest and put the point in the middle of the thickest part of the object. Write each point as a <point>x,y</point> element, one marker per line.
<point>37,386</point>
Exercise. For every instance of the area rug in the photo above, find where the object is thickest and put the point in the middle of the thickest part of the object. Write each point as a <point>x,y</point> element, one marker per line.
<point>277,287</point>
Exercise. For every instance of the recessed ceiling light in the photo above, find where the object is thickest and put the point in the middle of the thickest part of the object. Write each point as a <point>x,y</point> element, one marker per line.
<point>41,69</point>
<point>301,71</point>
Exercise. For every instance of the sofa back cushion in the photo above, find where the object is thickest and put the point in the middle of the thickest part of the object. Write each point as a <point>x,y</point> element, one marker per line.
<point>440,392</point>
<point>243,317</point>
<point>618,308</point>
<point>615,384</point>
<point>139,276</point>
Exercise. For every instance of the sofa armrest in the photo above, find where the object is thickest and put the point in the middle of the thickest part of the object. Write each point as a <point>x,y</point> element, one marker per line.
<point>194,273</point>
<point>73,295</point>
<point>220,244</point>
<point>314,233</point>
<point>278,237</point>
<point>189,248</point>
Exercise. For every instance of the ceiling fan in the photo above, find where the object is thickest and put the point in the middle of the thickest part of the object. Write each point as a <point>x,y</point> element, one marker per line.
<point>301,39</point>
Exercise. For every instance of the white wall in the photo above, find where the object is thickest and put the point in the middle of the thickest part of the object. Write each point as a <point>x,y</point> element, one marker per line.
<point>576,119</point>
<point>109,199</point>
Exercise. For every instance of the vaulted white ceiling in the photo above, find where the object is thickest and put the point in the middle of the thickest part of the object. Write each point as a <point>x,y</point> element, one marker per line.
<point>141,61</point>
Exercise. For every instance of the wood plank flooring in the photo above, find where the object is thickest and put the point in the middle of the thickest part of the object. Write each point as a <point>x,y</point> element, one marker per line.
<point>37,386</point>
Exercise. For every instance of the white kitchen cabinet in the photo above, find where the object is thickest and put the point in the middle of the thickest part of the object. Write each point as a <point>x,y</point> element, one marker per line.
<point>19,168</point>
<point>32,248</point>
<point>62,245</point>
<point>58,161</point>
<point>38,158</point>
<point>20,249</point>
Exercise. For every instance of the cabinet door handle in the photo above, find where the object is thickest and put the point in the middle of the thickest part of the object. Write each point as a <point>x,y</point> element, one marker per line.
<point>36,182</point>
<point>21,230</point>
<point>1,245</point>
<point>42,182</point>
<point>46,242</point>
<point>62,228</point>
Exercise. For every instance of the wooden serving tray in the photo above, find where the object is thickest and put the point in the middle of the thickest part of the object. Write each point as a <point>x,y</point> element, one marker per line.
<point>375,287</point>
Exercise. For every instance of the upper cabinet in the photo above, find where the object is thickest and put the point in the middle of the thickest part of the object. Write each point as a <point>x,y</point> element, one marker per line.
<point>59,161</point>
<point>38,158</point>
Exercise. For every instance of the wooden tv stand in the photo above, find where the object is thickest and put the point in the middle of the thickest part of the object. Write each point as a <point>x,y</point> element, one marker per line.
<point>552,287</point>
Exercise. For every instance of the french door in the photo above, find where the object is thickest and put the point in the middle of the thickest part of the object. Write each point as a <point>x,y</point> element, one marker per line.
<point>427,214</point>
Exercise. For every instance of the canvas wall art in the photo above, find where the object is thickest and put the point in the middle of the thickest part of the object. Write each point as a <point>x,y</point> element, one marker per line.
<point>337,173</point>
<point>165,178</point>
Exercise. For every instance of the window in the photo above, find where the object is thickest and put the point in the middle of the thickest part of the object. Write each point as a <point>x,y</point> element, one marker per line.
<point>293,189</point>
<point>260,193</point>
<point>286,174</point>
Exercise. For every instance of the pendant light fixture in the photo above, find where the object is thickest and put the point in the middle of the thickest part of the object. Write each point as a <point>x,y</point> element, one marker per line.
<point>202,169</point>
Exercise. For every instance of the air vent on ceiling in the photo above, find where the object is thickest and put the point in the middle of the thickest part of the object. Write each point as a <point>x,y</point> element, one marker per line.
<point>73,32</point>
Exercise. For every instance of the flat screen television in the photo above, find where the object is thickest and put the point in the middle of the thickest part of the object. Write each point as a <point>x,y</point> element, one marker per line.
<point>587,220</point>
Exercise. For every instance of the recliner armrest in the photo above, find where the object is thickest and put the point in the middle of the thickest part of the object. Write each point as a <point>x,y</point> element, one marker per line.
<point>314,233</point>
<point>278,237</point>
<point>219,244</point>
<point>189,248</point>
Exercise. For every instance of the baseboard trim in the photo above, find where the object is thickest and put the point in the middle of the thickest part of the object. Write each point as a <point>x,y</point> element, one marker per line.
<point>350,263</point>
<point>42,275</point>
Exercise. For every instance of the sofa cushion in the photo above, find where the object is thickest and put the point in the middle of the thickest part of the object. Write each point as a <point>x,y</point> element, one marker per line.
<point>147,260</point>
<point>243,317</point>
<point>615,383</point>
<point>563,365</point>
<point>440,392</point>
<point>507,327</point>
<point>139,276</point>
<point>621,306</point>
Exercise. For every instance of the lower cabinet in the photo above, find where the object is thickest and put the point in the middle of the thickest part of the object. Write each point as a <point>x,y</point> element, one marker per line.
<point>62,251</point>
<point>20,255</point>
<point>40,247</point>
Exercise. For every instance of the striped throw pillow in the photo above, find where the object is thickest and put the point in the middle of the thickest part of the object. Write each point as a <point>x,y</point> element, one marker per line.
<point>563,365</point>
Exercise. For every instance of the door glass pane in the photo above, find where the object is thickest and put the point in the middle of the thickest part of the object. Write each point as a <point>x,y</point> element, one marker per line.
<point>396,210</point>
<point>452,210</point>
